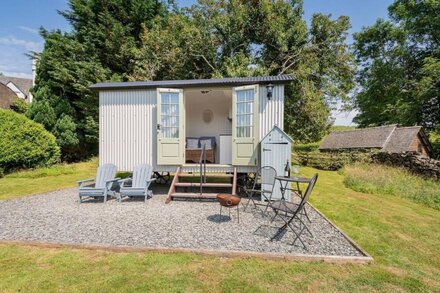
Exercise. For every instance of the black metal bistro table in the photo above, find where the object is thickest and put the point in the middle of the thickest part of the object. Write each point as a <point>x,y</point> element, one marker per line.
<point>286,184</point>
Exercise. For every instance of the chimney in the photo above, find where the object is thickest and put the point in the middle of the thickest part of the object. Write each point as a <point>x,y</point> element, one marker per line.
<point>34,73</point>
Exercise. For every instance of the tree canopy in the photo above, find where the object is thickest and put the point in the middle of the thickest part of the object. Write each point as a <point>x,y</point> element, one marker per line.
<point>153,40</point>
<point>101,46</point>
<point>399,61</point>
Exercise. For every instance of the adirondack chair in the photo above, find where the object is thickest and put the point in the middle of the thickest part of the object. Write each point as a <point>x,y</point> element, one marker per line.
<point>139,183</point>
<point>105,177</point>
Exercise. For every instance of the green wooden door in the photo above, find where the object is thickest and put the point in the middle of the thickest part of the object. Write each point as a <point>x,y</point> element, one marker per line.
<point>170,128</point>
<point>245,125</point>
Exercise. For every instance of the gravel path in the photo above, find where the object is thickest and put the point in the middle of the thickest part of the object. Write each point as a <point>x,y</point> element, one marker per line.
<point>56,217</point>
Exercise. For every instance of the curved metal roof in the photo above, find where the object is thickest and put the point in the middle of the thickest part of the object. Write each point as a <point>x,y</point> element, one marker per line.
<point>236,81</point>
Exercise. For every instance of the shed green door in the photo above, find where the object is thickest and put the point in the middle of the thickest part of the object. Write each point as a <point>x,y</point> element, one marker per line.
<point>245,125</point>
<point>170,128</point>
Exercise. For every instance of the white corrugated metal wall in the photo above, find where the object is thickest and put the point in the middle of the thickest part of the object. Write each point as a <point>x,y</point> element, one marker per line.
<point>127,125</point>
<point>127,128</point>
<point>271,111</point>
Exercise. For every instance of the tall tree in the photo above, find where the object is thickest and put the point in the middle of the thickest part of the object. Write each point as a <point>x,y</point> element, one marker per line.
<point>101,46</point>
<point>145,40</point>
<point>248,38</point>
<point>400,65</point>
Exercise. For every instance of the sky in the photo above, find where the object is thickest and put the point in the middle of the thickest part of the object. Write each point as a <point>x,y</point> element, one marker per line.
<point>20,21</point>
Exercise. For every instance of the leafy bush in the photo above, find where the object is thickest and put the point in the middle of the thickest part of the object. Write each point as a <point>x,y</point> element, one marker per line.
<point>314,146</point>
<point>378,179</point>
<point>435,141</point>
<point>20,106</point>
<point>306,147</point>
<point>330,161</point>
<point>25,143</point>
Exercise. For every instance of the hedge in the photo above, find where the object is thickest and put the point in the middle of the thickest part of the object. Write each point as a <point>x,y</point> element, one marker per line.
<point>331,161</point>
<point>20,106</point>
<point>25,143</point>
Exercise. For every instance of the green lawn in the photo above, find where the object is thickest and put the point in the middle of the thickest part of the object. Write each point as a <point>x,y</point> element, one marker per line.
<point>378,179</point>
<point>46,179</point>
<point>402,236</point>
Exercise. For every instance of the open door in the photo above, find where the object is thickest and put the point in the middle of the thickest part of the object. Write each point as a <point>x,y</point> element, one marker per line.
<point>245,125</point>
<point>170,128</point>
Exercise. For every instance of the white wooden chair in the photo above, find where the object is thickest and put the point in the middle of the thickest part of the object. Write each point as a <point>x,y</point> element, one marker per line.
<point>142,178</point>
<point>105,177</point>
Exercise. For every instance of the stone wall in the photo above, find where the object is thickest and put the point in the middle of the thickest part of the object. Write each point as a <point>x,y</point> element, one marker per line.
<point>420,165</point>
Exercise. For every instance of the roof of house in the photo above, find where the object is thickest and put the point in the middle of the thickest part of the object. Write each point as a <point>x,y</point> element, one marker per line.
<point>389,138</point>
<point>7,97</point>
<point>23,84</point>
<point>236,81</point>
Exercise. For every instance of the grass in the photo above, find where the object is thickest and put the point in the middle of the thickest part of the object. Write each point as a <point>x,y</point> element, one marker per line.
<point>402,236</point>
<point>45,179</point>
<point>376,179</point>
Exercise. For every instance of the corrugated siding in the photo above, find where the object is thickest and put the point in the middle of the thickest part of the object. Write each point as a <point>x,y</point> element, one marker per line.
<point>271,111</point>
<point>127,130</point>
<point>127,121</point>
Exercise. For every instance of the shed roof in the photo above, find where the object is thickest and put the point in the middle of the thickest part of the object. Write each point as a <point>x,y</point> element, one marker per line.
<point>388,138</point>
<point>374,137</point>
<point>23,84</point>
<point>282,132</point>
<point>236,81</point>
<point>401,139</point>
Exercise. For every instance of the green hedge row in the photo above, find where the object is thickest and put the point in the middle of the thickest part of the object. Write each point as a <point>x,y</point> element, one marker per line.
<point>25,143</point>
<point>330,161</point>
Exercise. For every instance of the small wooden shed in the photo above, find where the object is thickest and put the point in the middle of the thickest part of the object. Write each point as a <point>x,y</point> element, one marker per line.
<point>276,151</point>
<point>388,138</point>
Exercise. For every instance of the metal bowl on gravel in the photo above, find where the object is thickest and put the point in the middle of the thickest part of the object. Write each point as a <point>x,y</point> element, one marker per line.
<point>228,200</point>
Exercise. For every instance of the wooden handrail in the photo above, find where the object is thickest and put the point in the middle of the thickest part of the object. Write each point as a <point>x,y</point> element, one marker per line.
<point>202,163</point>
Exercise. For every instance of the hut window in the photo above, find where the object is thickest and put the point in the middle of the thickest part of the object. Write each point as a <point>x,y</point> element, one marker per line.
<point>170,115</point>
<point>245,112</point>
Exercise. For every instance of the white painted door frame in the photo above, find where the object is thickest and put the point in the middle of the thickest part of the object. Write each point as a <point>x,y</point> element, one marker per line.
<point>170,127</point>
<point>245,125</point>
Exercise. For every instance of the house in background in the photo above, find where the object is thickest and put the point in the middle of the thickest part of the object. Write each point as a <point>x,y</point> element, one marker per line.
<point>390,138</point>
<point>7,97</point>
<point>20,86</point>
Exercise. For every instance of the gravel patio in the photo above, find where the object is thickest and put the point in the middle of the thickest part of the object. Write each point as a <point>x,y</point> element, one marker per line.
<point>55,217</point>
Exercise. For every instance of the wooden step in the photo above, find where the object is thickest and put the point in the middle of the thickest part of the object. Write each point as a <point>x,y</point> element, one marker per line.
<point>214,168</point>
<point>197,175</point>
<point>194,195</point>
<point>216,172</point>
<point>197,184</point>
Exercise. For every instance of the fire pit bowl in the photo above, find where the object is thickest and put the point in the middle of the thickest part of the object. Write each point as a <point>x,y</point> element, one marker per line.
<point>228,200</point>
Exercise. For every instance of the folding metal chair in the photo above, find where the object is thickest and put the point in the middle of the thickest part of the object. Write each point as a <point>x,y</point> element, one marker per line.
<point>292,213</point>
<point>264,183</point>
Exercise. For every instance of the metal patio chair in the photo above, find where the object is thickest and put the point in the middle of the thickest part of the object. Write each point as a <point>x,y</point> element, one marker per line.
<point>105,177</point>
<point>142,178</point>
<point>264,183</point>
<point>292,214</point>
